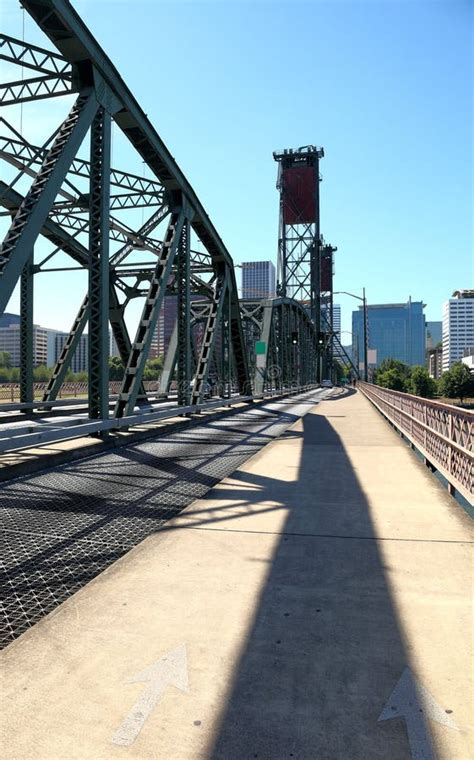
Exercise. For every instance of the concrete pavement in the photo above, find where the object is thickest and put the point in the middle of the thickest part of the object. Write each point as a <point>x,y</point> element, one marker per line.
<point>272,619</point>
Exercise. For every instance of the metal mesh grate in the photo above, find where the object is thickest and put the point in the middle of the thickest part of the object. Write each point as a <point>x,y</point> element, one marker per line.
<point>63,527</point>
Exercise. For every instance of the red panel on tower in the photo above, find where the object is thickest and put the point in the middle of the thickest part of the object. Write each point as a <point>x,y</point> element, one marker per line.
<point>299,188</point>
<point>326,273</point>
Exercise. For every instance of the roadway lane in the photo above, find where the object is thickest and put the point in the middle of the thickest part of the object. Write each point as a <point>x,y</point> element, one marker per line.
<point>61,528</point>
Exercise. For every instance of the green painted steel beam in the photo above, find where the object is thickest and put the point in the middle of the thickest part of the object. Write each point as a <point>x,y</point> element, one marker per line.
<point>98,343</point>
<point>36,205</point>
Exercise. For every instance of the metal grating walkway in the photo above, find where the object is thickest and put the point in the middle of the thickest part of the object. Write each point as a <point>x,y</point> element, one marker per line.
<point>62,528</point>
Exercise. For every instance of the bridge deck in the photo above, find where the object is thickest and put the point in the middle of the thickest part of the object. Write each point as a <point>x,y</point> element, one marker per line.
<point>293,598</point>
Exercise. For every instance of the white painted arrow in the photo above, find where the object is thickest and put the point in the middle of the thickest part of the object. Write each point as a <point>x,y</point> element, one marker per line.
<point>414,703</point>
<point>169,670</point>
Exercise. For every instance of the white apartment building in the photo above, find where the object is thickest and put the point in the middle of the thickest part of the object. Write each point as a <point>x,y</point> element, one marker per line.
<point>10,342</point>
<point>458,326</point>
<point>80,360</point>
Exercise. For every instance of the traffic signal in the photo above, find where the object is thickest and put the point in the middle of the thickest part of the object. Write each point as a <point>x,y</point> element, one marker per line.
<point>294,338</point>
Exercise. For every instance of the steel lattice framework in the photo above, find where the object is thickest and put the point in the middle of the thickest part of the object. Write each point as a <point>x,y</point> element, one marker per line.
<point>77,204</point>
<point>84,210</point>
<point>305,261</point>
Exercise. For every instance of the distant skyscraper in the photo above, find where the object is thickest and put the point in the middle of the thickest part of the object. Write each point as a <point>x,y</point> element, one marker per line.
<point>10,342</point>
<point>336,319</point>
<point>113,348</point>
<point>434,334</point>
<point>164,327</point>
<point>336,326</point>
<point>7,319</point>
<point>79,361</point>
<point>458,326</point>
<point>395,331</point>
<point>258,279</point>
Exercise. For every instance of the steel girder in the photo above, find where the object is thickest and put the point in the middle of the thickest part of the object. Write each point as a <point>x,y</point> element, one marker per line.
<point>299,266</point>
<point>209,338</point>
<point>26,332</point>
<point>36,205</point>
<point>25,155</point>
<point>56,209</point>
<point>276,323</point>
<point>99,267</point>
<point>141,346</point>
<point>182,282</point>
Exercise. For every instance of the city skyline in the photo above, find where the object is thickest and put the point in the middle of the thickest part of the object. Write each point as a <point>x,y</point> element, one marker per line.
<point>381,83</point>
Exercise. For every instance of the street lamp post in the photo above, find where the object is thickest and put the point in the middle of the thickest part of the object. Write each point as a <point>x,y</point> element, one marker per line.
<point>364,303</point>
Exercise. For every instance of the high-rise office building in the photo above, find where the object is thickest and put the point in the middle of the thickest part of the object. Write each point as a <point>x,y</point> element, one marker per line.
<point>164,327</point>
<point>434,334</point>
<point>10,342</point>
<point>113,348</point>
<point>7,319</point>
<point>336,326</point>
<point>336,319</point>
<point>395,331</point>
<point>258,279</point>
<point>79,361</point>
<point>458,326</point>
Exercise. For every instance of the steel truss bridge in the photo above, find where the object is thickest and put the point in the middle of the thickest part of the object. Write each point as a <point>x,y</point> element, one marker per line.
<point>69,208</point>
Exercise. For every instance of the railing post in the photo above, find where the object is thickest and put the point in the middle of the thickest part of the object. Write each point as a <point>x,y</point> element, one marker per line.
<point>450,437</point>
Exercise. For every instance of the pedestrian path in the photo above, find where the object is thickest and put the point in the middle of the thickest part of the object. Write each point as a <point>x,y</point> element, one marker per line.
<point>315,604</point>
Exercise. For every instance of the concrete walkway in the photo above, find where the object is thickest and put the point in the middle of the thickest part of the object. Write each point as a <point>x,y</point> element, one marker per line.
<point>314,605</point>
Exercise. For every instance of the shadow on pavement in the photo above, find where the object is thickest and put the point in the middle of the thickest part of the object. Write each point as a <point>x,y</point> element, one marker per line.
<point>325,650</point>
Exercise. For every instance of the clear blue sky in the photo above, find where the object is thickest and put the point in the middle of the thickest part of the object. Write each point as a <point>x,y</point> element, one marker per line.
<point>384,87</point>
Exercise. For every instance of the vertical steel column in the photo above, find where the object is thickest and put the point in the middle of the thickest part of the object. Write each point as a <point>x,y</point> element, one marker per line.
<point>183,315</point>
<point>135,368</point>
<point>208,341</point>
<point>315,274</point>
<point>170,362</point>
<point>99,266</point>
<point>26,332</point>
<point>226,349</point>
<point>262,373</point>
<point>366,339</point>
<point>36,205</point>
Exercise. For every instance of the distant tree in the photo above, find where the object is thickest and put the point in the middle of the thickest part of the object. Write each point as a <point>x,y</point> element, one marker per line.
<point>403,370</point>
<point>5,359</point>
<point>116,368</point>
<point>339,371</point>
<point>421,384</point>
<point>392,379</point>
<point>153,368</point>
<point>5,375</point>
<point>457,382</point>
<point>41,374</point>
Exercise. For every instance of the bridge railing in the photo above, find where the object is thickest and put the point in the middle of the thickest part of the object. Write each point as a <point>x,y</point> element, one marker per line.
<point>443,434</point>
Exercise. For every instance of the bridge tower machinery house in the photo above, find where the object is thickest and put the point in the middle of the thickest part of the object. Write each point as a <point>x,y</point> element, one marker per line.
<point>305,261</point>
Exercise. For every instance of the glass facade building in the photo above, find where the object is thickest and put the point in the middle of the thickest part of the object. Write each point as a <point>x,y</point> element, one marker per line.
<point>395,331</point>
<point>258,279</point>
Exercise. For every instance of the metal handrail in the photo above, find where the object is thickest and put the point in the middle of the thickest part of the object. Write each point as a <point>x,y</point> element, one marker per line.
<point>454,459</point>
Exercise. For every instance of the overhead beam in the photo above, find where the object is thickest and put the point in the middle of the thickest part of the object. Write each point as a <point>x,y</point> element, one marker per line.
<point>65,28</point>
<point>36,205</point>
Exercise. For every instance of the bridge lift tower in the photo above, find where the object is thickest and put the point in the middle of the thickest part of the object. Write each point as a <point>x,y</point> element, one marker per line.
<point>299,243</point>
